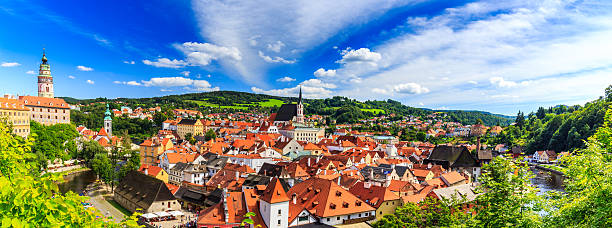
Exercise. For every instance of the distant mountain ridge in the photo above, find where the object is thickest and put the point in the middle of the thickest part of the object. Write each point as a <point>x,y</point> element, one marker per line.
<point>328,106</point>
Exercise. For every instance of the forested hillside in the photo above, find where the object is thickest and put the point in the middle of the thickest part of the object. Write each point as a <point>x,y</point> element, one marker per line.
<point>344,110</point>
<point>559,128</point>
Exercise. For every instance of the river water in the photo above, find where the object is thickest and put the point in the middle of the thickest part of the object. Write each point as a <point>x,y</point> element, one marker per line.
<point>547,181</point>
<point>77,182</point>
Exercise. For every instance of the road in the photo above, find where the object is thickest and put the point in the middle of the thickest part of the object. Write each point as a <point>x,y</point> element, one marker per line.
<point>105,208</point>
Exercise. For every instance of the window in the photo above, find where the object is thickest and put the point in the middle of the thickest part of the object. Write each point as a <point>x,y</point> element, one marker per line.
<point>338,218</point>
<point>279,222</point>
<point>304,218</point>
<point>328,219</point>
<point>279,212</point>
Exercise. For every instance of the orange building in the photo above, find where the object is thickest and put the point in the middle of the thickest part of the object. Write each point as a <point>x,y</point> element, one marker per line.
<point>47,111</point>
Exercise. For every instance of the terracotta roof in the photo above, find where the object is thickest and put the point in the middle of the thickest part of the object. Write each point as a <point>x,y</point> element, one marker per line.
<point>214,215</point>
<point>274,193</point>
<point>44,102</point>
<point>13,104</point>
<point>102,132</point>
<point>451,178</point>
<point>323,198</point>
<point>151,169</point>
<point>373,195</point>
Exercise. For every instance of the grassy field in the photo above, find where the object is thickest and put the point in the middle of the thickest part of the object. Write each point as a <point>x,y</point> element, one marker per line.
<point>119,207</point>
<point>373,110</point>
<point>268,103</point>
<point>206,104</point>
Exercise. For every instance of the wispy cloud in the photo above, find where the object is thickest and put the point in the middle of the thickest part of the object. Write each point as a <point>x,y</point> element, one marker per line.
<point>129,62</point>
<point>285,79</point>
<point>165,62</point>
<point>31,72</point>
<point>71,77</point>
<point>84,68</point>
<point>90,82</point>
<point>9,64</point>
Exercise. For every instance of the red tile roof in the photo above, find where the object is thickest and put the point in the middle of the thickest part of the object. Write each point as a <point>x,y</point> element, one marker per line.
<point>274,193</point>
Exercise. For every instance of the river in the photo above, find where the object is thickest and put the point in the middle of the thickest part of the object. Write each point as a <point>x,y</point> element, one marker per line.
<point>546,180</point>
<point>77,182</point>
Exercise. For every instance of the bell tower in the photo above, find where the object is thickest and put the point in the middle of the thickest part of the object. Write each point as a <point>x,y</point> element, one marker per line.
<point>45,80</point>
<point>108,122</point>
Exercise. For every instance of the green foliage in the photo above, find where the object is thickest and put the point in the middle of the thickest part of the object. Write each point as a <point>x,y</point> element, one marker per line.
<point>28,199</point>
<point>428,213</point>
<point>103,167</point>
<point>587,201</point>
<point>471,117</point>
<point>348,114</point>
<point>54,141</point>
<point>210,134</point>
<point>507,199</point>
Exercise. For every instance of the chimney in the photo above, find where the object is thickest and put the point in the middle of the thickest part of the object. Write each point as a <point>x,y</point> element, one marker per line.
<point>367,185</point>
<point>146,171</point>
<point>339,177</point>
<point>237,175</point>
<point>308,161</point>
<point>294,198</point>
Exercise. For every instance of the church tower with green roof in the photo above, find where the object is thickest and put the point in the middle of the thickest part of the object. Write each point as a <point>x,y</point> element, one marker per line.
<point>108,122</point>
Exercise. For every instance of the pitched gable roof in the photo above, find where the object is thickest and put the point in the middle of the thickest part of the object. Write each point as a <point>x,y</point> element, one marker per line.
<point>274,193</point>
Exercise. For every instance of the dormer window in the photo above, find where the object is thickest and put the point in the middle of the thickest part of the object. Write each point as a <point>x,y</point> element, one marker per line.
<point>332,206</point>
<point>51,103</point>
<point>38,102</point>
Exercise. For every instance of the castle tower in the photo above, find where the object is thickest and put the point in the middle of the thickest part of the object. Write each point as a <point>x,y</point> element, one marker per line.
<point>300,109</point>
<point>108,122</point>
<point>45,81</point>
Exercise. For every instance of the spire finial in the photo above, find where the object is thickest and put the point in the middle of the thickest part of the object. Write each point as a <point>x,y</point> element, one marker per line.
<point>44,58</point>
<point>300,98</point>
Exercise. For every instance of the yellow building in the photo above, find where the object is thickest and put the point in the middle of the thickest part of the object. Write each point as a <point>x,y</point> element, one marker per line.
<point>195,127</point>
<point>15,113</point>
<point>150,150</point>
<point>154,171</point>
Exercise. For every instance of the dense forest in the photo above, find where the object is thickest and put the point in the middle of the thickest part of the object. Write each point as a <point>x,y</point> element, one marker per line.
<point>342,109</point>
<point>559,128</point>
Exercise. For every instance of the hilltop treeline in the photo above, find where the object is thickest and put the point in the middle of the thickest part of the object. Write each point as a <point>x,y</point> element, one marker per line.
<point>344,110</point>
<point>559,128</point>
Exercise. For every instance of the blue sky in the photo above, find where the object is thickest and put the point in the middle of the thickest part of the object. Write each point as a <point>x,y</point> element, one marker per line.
<point>497,56</point>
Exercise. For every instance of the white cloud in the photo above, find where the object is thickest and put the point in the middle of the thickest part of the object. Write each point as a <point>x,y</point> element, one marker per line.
<point>84,68</point>
<point>312,88</point>
<point>31,72</point>
<point>165,90</point>
<point>185,73</point>
<point>285,79</point>
<point>305,25</point>
<point>71,77</point>
<point>324,73</point>
<point>201,54</point>
<point>276,46</point>
<point>410,88</point>
<point>317,83</point>
<point>501,83</point>
<point>275,59</point>
<point>9,64</point>
<point>129,62</point>
<point>190,84</point>
<point>90,82</point>
<point>508,44</point>
<point>165,62</point>
<point>361,55</point>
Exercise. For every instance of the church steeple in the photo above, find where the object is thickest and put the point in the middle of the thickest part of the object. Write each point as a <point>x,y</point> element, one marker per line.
<point>45,80</point>
<point>300,97</point>
<point>300,109</point>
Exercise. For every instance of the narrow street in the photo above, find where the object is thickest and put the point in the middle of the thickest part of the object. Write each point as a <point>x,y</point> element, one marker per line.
<point>105,208</point>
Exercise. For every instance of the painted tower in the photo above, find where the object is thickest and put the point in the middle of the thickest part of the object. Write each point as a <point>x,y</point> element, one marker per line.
<point>108,122</point>
<point>300,109</point>
<point>45,81</point>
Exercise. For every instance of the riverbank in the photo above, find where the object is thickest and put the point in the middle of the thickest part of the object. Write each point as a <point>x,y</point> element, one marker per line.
<point>70,172</point>
<point>550,168</point>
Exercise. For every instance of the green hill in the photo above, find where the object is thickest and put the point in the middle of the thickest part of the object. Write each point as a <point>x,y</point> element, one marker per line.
<point>340,108</point>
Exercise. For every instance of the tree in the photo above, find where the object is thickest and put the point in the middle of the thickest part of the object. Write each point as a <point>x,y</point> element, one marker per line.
<point>28,199</point>
<point>507,199</point>
<point>421,136</point>
<point>431,212</point>
<point>133,163</point>
<point>210,134</point>
<point>103,167</point>
<point>520,120</point>
<point>541,113</point>
<point>587,201</point>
